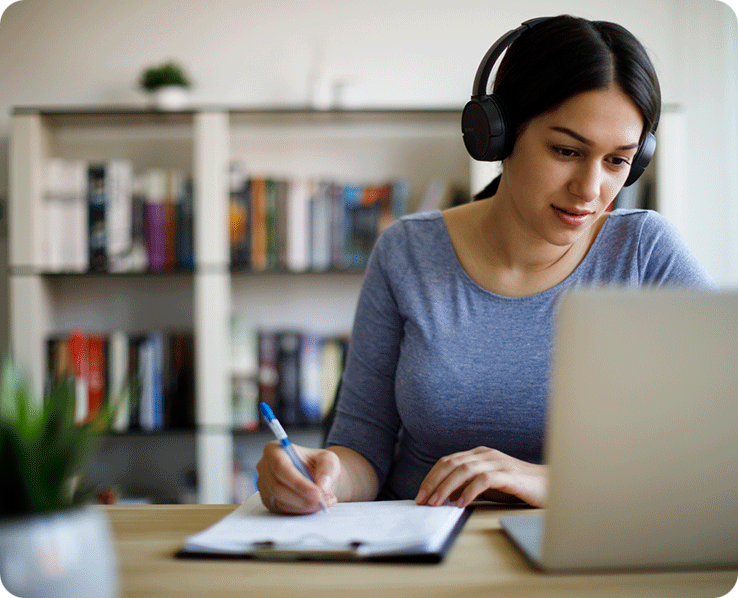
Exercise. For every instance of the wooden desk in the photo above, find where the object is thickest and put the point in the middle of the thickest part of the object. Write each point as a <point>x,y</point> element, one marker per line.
<point>481,563</point>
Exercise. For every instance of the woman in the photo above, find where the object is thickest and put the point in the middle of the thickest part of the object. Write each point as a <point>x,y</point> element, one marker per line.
<point>444,392</point>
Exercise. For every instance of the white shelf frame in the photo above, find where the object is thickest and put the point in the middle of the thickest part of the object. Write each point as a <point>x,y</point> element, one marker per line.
<point>36,133</point>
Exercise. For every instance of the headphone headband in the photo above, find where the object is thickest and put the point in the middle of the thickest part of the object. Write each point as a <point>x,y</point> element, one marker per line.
<point>490,58</point>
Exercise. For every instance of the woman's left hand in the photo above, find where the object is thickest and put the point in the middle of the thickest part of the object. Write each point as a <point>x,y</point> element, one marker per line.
<point>484,472</point>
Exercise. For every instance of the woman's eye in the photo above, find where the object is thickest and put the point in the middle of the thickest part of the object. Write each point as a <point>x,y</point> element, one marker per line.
<point>565,152</point>
<point>616,161</point>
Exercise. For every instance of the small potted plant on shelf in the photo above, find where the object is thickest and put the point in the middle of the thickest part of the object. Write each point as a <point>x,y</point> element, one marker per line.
<point>53,542</point>
<point>168,85</point>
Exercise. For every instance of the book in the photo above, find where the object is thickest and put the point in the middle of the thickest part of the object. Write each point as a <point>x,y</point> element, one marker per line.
<point>137,259</point>
<point>97,206</point>
<point>118,222</point>
<point>288,377</point>
<point>394,530</point>
<point>238,214</point>
<point>118,380</point>
<point>174,179</point>
<point>320,227</point>
<point>310,386</point>
<point>97,373</point>
<point>297,250</point>
<point>185,227</point>
<point>257,197</point>
<point>331,369</point>
<point>151,414</point>
<point>268,375</point>
<point>272,222</point>
<point>180,393</point>
<point>76,219</point>
<point>78,357</point>
<point>154,218</point>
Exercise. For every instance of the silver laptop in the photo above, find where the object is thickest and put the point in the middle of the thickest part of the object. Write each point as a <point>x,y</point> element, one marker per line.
<point>642,434</point>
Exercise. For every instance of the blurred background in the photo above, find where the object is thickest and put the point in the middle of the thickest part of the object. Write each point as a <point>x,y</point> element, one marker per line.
<point>77,56</point>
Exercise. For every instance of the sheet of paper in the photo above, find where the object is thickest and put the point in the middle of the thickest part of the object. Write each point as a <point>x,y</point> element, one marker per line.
<point>392,524</point>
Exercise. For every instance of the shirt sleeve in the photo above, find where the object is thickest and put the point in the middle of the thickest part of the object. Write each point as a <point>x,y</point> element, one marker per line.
<point>366,414</point>
<point>664,258</point>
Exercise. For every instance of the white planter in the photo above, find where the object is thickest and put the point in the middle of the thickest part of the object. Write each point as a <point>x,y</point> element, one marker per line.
<point>171,97</point>
<point>67,553</point>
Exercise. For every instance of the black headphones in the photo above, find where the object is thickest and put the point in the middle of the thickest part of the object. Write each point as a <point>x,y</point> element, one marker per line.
<point>485,122</point>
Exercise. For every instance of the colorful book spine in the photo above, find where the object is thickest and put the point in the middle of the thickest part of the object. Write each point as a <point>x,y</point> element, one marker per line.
<point>78,359</point>
<point>310,387</point>
<point>238,217</point>
<point>97,373</point>
<point>185,227</point>
<point>272,223</point>
<point>118,224</point>
<point>97,203</point>
<point>297,258</point>
<point>180,394</point>
<point>171,199</point>
<point>119,384</point>
<point>320,227</point>
<point>258,224</point>
<point>288,377</point>
<point>268,374</point>
<point>154,219</point>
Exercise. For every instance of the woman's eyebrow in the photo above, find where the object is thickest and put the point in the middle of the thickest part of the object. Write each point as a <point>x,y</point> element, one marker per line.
<point>586,141</point>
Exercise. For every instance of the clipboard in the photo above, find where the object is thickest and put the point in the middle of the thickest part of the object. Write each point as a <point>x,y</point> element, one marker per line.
<point>379,531</point>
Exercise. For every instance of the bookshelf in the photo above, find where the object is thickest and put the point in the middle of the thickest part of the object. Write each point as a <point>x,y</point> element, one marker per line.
<point>372,145</point>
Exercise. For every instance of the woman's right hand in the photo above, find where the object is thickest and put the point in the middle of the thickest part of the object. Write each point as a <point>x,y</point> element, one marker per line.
<point>284,489</point>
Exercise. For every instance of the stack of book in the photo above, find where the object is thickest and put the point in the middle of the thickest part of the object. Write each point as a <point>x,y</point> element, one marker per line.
<point>300,224</point>
<point>101,217</point>
<point>149,377</point>
<point>296,372</point>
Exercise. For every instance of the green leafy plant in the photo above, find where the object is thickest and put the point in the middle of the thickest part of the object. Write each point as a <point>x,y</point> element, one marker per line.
<point>42,449</point>
<point>169,73</point>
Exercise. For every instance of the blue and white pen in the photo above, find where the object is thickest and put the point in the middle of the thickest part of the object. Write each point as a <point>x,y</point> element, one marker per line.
<point>281,435</point>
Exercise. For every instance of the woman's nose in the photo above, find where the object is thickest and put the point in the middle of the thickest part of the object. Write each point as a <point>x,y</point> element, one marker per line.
<point>586,182</point>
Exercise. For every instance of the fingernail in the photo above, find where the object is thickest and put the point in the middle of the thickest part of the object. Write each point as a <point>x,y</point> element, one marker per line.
<point>434,499</point>
<point>421,496</point>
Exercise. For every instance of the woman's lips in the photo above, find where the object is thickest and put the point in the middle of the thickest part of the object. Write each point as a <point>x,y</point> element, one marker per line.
<point>571,216</point>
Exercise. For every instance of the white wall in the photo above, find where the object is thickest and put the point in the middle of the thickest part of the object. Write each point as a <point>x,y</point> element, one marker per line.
<point>397,53</point>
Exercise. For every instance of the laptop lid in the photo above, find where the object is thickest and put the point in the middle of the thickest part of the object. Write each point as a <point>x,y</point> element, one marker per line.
<point>642,433</point>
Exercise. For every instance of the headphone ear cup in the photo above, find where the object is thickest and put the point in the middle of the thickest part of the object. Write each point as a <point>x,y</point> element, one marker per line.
<point>484,129</point>
<point>642,158</point>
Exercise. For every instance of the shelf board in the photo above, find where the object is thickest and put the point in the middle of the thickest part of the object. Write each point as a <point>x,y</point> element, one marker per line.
<point>208,429</point>
<point>95,116</point>
<point>33,271</point>
<point>236,271</point>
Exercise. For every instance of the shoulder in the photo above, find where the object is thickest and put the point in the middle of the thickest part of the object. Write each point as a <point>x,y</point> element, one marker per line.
<point>642,226</point>
<point>422,228</point>
<point>408,242</point>
<point>660,250</point>
<point>649,224</point>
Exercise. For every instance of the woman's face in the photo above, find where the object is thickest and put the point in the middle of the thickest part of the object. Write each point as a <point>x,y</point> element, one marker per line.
<point>568,164</point>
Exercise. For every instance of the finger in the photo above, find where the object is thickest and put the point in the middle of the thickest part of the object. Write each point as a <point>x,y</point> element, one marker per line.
<point>326,468</point>
<point>284,500</point>
<point>457,481</point>
<point>497,481</point>
<point>282,479</point>
<point>440,472</point>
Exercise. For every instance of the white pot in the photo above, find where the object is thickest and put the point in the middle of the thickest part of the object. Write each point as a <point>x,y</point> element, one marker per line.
<point>67,553</point>
<point>171,97</point>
